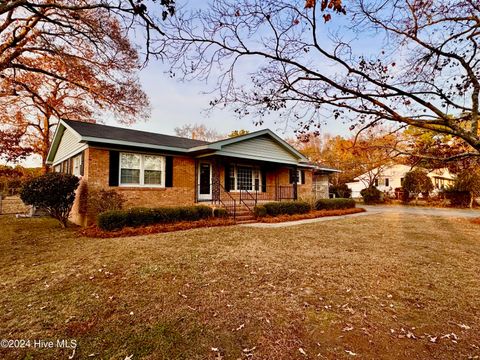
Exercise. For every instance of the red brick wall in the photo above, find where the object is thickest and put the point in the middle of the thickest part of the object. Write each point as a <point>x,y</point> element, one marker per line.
<point>96,176</point>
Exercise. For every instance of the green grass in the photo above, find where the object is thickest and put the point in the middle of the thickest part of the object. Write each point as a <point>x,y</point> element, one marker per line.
<point>350,284</point>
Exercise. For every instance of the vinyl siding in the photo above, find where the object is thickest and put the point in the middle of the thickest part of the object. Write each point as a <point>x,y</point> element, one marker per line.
<point>69,144</point>
<point>263,147</point>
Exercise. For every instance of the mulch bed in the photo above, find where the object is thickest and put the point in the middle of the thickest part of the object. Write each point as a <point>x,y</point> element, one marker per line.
<point>476,221</point>
<point>95,232</point>
<point>310,215</point>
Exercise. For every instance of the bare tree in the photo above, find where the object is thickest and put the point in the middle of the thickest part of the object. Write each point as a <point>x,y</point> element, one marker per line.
<point>424,71</point>
<point>198,131</point>
<point>68,59</point>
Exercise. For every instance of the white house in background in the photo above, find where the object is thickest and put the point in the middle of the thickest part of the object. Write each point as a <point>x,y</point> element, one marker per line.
<point>390,177</point>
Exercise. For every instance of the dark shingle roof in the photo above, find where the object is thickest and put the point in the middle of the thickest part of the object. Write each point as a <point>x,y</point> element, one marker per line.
<point>144,137</point>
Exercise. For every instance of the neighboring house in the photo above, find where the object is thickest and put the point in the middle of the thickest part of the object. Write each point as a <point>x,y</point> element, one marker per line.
<point>152,169</point>
<point>388,178</point>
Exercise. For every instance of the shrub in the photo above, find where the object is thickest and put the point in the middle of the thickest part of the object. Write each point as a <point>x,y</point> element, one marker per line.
<point>54,192</point>
<point>334,204</point>
<point>136,217</point>
<point>112,220</point>
<point>341,191</point>
<point>458,198</point>
<point>287,207</point>
<point>103,200</point>
<point>468,182</point>
<point>371,195</point>
<point>417,182</point>
<point>260,211</point>
<point>220,213</point>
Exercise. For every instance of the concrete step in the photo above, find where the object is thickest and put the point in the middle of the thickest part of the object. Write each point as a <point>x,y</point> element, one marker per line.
<point>244,217</point>
<point>245,221</point>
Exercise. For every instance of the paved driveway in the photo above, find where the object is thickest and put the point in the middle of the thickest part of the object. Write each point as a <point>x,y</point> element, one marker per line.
<point>379,210</point>
<point>420,210</point>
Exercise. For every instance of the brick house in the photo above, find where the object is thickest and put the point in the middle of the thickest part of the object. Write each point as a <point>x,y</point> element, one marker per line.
<point>152,169</point>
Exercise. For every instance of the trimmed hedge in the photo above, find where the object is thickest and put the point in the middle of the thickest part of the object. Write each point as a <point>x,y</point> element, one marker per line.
<point>220,213</point>
<point>259,211</point>
<point>285,207</point>
<point>334,204</point>
<point>372,195</point>
<point>136,217</point>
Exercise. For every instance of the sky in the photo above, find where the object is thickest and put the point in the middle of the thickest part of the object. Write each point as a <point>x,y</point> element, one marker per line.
<point>175,103</point>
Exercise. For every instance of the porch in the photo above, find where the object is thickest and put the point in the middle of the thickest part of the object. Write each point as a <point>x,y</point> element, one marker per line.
<point>239,185</point>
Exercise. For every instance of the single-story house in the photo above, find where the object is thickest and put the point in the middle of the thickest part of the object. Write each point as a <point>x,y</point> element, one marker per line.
<point>152,169</point>
<point>390,177</point>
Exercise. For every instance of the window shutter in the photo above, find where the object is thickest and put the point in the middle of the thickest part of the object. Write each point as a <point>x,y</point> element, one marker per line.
<point>291,176</point>
<point>82,164</point>
<point>227,177</point>
<point>114,168</point>
<point>302,174</point>
<point>263,174</point>
<point>168,171</point>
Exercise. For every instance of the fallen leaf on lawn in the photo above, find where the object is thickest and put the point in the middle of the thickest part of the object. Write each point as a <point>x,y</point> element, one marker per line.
<point>214,349</point>
<point>130,357</point>
<point>411,335</point>
<point>249,350</point>
<point>432,339</point>
<point>463,326</point>
<point>350,353</point>
<point>348,328</point>
<point>452,336</point>
<point>240,327</point>
<point>302,351</point>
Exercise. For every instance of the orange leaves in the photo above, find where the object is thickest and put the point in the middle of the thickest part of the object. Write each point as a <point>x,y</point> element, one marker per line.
<point>333,5</point>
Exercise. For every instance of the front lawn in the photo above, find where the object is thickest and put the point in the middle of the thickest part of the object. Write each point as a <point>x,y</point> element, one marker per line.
<point>390,287</point>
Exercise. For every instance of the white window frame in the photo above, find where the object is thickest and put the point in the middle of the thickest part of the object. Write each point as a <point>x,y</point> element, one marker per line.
<point>142,171</point>
<point>299,177</point>
<point>255,170</point>
<point>79,159</point>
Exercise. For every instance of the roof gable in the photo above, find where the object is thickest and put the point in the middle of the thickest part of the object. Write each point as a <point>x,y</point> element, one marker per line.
<point>258,143</point>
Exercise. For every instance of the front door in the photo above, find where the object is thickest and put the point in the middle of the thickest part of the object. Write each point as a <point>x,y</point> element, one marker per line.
<point>204,181</point>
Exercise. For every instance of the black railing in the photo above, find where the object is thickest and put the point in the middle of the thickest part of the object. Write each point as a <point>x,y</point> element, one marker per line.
<point>225,199</point>
<point>248,198</point>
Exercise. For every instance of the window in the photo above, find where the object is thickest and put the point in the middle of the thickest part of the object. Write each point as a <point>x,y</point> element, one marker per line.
<point>375,182</point>
<point>387,182</point>
<point>57,168</point>
<point>297,177</point>
<point>142,170</point>
<point>243,177</point>
<point>77,165</point>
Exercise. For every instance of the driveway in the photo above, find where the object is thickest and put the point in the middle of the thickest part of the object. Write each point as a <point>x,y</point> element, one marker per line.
<point>379,210</point>
<point>420,210</point>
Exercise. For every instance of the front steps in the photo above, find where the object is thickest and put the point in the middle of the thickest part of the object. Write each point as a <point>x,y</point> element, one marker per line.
<point>242,215</point>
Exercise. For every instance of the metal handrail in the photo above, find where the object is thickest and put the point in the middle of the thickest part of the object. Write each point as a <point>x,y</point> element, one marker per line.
<point>243,200</point>
<point>231,198</point>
